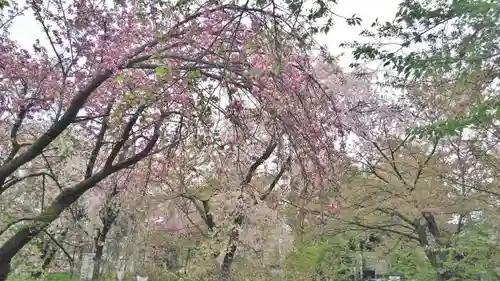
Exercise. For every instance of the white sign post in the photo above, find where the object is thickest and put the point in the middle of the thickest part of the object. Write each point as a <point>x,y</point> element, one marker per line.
<point>87,269</point>
<point>120,273</point>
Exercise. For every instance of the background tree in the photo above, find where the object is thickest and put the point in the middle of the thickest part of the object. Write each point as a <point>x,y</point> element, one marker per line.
<point>456,41</point>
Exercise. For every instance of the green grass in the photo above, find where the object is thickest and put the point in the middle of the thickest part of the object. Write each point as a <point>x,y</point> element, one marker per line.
<point>56,276</point>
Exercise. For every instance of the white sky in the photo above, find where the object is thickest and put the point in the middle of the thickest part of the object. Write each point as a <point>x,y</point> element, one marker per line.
<point>368,11</point>
<point>26,30</point>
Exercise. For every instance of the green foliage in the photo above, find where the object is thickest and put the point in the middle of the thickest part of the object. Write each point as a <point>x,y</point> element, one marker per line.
<point>193,74</point>
<point>479,261</point>
<point>59,276</point>
<point>412,262</point>
<point>162,70</point>
<point>3,4</point>
<point>459,35</point>
<point>66,276</point>
<point>481,115</point>
<point>156,273</point>
<point>479,244</point>
<point>56,276</point>
<point>450,39</point>
<point>328,257</point>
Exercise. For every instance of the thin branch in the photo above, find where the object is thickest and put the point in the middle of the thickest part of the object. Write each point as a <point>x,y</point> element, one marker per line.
<point>98,144</point>
<point>79,119</point>
<point>277,178</point>
<point>421,167</point>
<point>391,161</point>
<point>265,155</point>
<point>393,212</point>
<point>70,195</point>
<point>14,131</point>
<point>384,229</point>
<point>16,180</point>
<point>185,210</point>
<point>68,255</point>
<point>124,137</point>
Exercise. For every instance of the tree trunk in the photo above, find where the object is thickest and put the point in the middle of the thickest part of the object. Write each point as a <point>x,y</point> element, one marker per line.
<point>14,244</point>
<point>100,239</point>
<point>428,228</point>
<point>96,272</point>
<point>4,269</point>
<point>225,269</point>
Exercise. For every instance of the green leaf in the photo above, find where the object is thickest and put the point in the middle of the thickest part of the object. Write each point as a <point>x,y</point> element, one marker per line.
<point>162,70</point>
<point>193,74</point>
<point>3,4</point>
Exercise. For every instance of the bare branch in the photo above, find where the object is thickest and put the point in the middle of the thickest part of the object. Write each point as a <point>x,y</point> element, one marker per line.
<point>69,196</point>
<point>9,225</point>
<point>54,240</point>
<point>277,178</point>
<point>391,161</point>
<point>13,133</point>
<point>265,155</point>
<point>421,166</point>
<point>124,137</point>
<point>384,228</point>
<point>16,180</point>
<point>98,144</point>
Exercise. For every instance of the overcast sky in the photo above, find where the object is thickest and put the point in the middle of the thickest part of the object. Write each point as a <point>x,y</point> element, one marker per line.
<point>368,11</point>
<point>25,29</point>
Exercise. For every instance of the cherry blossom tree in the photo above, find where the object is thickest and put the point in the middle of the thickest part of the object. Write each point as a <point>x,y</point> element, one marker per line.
<point>136,80</point>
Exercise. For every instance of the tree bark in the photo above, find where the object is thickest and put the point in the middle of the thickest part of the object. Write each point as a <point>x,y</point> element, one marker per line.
<point>439,256</point>
<point>96,271</point>
<point>4,269</point>
<point>225,269</point>
<point>100,239</point>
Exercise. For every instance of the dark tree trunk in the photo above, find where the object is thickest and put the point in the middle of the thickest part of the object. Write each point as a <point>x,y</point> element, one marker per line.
<point>438,258</point>
<point>26,233</point>
<point>225,269</point>
<point>99,241</point>
<point>67,197</point>
<point>108,217</point>
<point>96,273</point>
<point>4,269</point>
